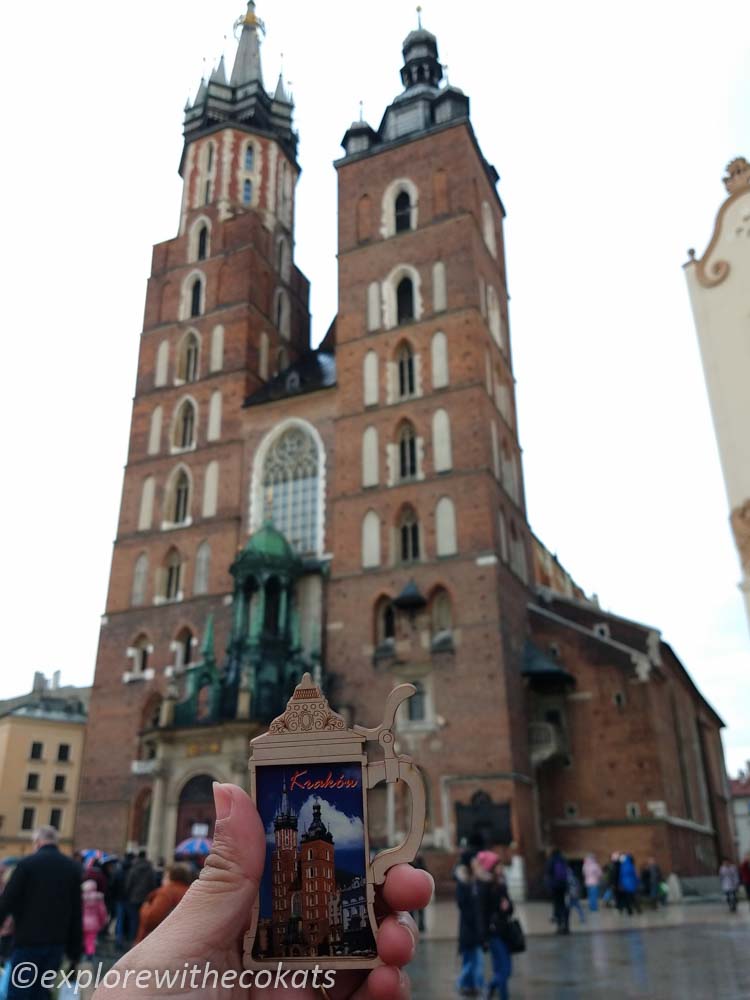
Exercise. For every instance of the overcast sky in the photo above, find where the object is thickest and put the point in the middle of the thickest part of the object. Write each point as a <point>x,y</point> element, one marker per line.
<point>610,126</point>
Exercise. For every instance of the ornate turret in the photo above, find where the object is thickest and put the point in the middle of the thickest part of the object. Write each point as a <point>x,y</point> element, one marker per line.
<point>317,830</point>
<point>423,105</point>
<point>286,817</point>
<point>243,101</point>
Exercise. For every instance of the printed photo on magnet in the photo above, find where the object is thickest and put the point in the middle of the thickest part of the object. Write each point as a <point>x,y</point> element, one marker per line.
<point>309,777</point>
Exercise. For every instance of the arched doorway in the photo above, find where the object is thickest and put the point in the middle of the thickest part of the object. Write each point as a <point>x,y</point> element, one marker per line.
<point>196,806</point>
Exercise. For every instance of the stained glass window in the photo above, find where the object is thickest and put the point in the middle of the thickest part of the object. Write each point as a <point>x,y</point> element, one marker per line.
<point>290,489</point>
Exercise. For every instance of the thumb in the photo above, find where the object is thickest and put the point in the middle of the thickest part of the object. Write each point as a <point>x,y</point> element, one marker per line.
<point>217,908</point>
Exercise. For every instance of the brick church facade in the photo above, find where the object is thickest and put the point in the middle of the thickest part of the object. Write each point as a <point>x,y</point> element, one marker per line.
<point>358,511</point>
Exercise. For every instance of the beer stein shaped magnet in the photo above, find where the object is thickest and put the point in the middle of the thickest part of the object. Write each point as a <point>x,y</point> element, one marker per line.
<point>309,778</point>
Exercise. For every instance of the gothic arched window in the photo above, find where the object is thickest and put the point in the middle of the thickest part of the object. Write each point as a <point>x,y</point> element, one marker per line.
<point>196,298</point>
<point>184,430</point>
<point>140,580</point>
<point>405,300</point>
<point>290,488</point>
<point>172,575</point>
<point>202,568</point>
<point>249,158</point>
<point>181,498</point>
<point>187,365</point>
<point>385,622</point>
<point>203,243</point>
<point>407,451</point>
<point>403,212</point>
<point>408,529</point>
<point>247,191</point>
<point>417,707</point>
<point>406,380</point>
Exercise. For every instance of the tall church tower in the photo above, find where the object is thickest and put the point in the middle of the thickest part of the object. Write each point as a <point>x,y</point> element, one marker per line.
<point>225,309</point>
<point>429,583</point>
<point>719,286</point>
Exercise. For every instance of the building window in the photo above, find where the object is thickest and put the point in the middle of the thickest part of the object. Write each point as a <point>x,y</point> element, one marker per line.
<point>406,379</point>
<point>187,363</point>
<point>405,300</point>
<point>37,750</point>
<point>59,785</point>
<point>184,650</point>
<point>27,819</point>
<point>403,212</point>
<point>139,652</point>
<point>63,752</point>
<point>385,622</point>
<point>409,536</point>
<point>173,576</point>
<point>32,782</point>
<point>196,298</point>
<point>488,229</point>
<point>184,432</point>
<point>632,810</point>
<point>249,158</point>
<point>417,704</point>
<point>247,191</point>
<point>203,243</point>
<point>181,498</point>
<point>55,818</point>
<point>370,378</point>
<point>407,451</point>
<point>291,486</point>
<point>571,810</point>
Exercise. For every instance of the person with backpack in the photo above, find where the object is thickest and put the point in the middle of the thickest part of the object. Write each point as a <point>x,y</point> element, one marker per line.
<point>556,881</point>
<point>628,885</point>
<point>494,911</point>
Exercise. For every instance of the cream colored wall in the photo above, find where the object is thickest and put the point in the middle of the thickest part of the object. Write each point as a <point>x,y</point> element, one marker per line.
<point>17,733</point>
<point>722,320</point>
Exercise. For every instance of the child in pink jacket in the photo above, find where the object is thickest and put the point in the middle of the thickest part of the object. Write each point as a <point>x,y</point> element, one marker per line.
<point>94,915</point>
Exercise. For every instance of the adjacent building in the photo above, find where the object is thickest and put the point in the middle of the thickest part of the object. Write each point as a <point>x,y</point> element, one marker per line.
<point>42,736</point>
<point>719,286</point>
<point>740,789</point>
<point>358,511</point>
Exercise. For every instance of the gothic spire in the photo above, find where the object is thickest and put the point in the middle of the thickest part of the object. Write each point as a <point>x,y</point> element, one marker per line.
<point>219,75</point>
<point>247,67</point>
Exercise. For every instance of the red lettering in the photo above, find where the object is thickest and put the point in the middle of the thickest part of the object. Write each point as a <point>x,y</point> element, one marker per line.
<point>298,780</point>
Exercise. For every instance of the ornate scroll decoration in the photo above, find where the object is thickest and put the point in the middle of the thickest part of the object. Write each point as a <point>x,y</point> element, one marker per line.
<point>307,711</point>
<point>741,529</point>
<point>737,183</point>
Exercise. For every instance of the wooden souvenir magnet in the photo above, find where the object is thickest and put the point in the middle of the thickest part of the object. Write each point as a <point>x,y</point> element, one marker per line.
<point>309,776</point>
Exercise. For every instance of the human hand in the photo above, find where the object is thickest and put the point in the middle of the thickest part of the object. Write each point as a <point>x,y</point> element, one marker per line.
<point>206,929</point>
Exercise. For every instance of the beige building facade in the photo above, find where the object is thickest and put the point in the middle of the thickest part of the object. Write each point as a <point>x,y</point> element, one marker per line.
<point>719,286</point>
<point>41,749</point>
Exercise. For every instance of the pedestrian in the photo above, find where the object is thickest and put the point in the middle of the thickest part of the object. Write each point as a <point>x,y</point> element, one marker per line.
<point>470,982</point>
<point>139,882</point>
<point>651,882</point>
<point>123,931</point>
<point>745,875</point>
<point>574,894</point>
<point>160,902</point>
<point>44,897</point>
<point>592,876</point>
<point>495,909</point>
<point>730,883</point>
<point>628,884</point>
<point>6,926</point>
<point>556,881</point>
<point>94,915</point>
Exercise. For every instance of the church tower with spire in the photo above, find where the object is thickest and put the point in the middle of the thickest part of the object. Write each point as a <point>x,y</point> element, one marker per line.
<point>226,309</point>
<point>430,580</point>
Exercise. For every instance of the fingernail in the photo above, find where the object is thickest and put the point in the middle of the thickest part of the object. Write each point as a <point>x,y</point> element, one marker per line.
<point>223,801</point>
<point>406,921</point>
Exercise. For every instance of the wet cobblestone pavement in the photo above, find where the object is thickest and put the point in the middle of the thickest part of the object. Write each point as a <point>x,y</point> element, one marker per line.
<point>692,962</point>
